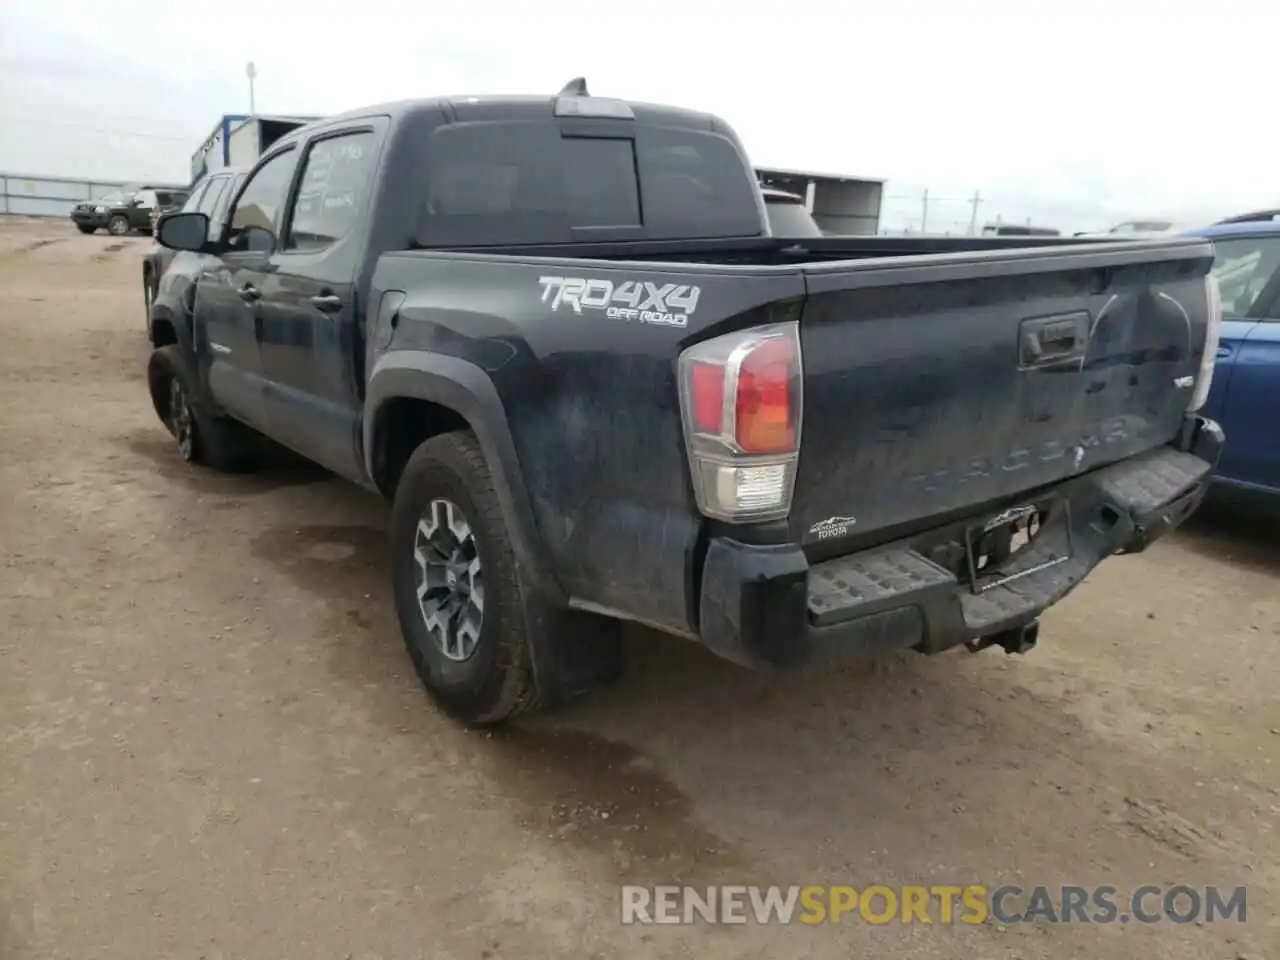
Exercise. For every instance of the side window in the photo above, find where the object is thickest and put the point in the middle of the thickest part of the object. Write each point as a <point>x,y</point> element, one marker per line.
<point>335,177</point>
<point>209,202</point>
<point>253,221</point>
<point>193,201</point>
<point>1245,267</point>
<point>220,212</point>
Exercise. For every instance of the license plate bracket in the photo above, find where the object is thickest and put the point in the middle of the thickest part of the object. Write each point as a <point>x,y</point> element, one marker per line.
<point>996,544</point>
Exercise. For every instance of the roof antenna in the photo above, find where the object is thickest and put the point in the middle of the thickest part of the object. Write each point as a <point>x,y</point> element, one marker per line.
<point>577,87</point>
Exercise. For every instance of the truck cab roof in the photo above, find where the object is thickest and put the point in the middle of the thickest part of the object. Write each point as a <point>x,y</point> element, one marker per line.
<point>511,170</point>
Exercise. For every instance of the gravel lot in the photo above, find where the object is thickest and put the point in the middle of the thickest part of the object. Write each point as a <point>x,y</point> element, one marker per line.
<point>212,744</point>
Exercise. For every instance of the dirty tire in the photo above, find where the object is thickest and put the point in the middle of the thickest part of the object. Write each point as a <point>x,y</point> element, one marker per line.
<point>118,225</point>
<point>86,228</point>
<point>496,682</point>
<point>148,297</point>
<point>214,441</point>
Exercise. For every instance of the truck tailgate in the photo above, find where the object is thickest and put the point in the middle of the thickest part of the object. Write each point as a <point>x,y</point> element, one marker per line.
<point>934,385</point>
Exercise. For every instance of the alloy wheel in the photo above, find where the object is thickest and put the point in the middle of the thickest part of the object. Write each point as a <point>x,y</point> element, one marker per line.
<point>450,579</point>
<point>180,422</point>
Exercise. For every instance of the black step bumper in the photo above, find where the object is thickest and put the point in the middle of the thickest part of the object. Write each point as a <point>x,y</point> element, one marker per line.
<point>766,607</point>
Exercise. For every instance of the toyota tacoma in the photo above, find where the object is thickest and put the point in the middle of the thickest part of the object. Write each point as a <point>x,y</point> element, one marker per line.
<point>558,334</point>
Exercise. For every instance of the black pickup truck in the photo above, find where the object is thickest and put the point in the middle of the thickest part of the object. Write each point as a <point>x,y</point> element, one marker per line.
<point>557,333</point>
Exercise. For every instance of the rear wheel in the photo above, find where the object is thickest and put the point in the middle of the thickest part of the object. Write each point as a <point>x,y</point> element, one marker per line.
<point>457,596</point>
<point>118,225</point>
<point>201,437</point>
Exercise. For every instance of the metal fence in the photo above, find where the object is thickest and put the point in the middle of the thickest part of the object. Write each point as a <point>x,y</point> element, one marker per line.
<point>31,195</point>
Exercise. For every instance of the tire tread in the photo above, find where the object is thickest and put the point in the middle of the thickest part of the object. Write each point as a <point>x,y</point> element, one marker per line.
<point>511,689</point>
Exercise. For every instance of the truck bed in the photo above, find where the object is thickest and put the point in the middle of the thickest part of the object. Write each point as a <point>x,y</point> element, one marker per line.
<point>927,392</point>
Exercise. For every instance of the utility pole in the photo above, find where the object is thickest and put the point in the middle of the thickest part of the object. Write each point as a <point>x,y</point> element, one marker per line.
<point>251,72</point>
<point>973,217</point>
<point>924,213</point>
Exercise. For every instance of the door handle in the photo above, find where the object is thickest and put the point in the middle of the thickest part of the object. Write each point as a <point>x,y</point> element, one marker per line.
<point>1224,352</point>
<point>327,302</point>
<point>250,294</point>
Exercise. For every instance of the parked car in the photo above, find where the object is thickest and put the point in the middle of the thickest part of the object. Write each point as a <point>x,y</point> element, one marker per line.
<point>125,211</point>
<point>1255,216</point>
<point>1018,230</point>
<point>1144,228</point>
<point>172,285</point>
<point>788,216</point>
<point>1245,396</point>
<point>557,334</point>
<point>91,215</point>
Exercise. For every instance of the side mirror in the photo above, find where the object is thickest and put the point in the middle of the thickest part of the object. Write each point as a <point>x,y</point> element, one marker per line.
<point>183,231</point>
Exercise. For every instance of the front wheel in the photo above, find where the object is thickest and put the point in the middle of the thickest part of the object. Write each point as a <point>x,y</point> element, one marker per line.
<point>118,225</point>
<point>201,437</point>
<point>148,297</point>
<point>86,228</point>
<point>457,596</point>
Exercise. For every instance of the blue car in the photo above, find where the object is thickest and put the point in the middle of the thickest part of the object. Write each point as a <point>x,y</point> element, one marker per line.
<point>1245,395</point>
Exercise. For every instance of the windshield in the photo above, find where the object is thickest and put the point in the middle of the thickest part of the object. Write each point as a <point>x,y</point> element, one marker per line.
<point>788,219</point>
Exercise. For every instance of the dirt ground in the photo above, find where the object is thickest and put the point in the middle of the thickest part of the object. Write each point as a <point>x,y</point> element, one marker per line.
<point>212,744</point>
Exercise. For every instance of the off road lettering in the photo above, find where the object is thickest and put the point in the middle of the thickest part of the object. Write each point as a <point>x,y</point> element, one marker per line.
<point>668,304</point>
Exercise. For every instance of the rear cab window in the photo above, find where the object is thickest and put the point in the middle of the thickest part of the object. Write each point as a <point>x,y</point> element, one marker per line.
<point>516,181</point>
<point>331,192</point>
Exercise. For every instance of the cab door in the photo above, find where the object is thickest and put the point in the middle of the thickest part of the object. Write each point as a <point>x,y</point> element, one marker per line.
<point>230,290</point>
<point>312,325</point>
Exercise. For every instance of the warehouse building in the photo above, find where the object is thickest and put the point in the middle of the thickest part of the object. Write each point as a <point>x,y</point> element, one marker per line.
<point>239,139</point>
<point>840,203</point>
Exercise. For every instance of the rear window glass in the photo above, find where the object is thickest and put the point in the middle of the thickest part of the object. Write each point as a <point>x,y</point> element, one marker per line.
<point>600,183</point>
<point>525,182</point>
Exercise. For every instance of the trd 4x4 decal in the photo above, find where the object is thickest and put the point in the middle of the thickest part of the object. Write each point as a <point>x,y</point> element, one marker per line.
<point>668,304</point>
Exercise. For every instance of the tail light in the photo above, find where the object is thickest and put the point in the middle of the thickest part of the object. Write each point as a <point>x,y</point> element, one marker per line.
<point>1212,333</point>
<point>741,398</point>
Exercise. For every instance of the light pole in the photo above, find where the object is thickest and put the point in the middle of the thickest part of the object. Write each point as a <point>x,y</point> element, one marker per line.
<point>251,72</point>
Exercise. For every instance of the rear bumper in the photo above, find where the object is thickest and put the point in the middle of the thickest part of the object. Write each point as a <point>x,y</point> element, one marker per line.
<point>767,607</point>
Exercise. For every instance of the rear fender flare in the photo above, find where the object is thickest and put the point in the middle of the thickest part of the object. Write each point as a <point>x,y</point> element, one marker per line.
<point>466,389</point>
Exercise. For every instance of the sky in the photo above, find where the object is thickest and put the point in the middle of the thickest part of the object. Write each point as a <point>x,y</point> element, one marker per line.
<point>1076,115</point>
